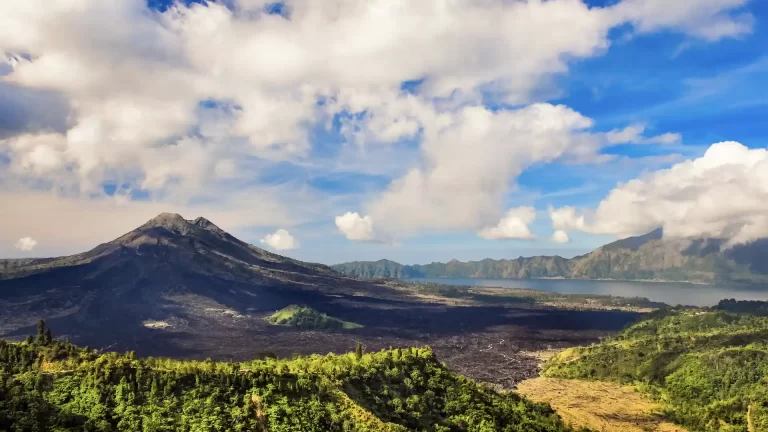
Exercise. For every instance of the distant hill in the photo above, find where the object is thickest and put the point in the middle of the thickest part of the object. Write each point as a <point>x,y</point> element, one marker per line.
<point>647,257</point>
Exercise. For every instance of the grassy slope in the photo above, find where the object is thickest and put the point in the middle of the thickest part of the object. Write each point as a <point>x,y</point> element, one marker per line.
<point>307,318</point>
<point>603,406</point>
<point>58,387</point>
<point>709,367</point>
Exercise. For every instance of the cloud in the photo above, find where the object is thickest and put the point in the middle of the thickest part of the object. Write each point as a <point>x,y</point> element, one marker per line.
<point>514,225</point>
<point>633,134</point>
<point>137,77</point>
<point>25,244</point>
<point>176,105</point>
<point>356,227</point>
<point>723,194</point>
<point>469,160</point>
<point>707,19</point>
<point>24,110</point>
<point>560,236</point>
<point>281,240</point>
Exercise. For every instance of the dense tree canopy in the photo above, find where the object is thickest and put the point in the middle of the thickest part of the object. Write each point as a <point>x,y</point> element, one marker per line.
<point>48,385</point>
<point>709,366</point>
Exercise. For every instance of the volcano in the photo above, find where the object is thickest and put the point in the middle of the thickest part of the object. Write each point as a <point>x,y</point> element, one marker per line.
<point>172,274</point>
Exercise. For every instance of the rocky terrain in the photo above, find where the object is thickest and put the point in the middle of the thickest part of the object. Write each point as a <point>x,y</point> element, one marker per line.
<point>648,257</point>
<point>187,289</point>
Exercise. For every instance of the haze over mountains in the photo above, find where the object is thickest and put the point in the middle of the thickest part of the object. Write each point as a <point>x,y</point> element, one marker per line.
<point>647,257</point>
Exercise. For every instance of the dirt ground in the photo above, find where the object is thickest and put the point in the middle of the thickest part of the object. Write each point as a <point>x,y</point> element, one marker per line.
<point>605,407</point>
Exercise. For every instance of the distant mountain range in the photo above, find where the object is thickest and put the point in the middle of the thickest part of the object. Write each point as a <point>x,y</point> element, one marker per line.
<point>649,257</point>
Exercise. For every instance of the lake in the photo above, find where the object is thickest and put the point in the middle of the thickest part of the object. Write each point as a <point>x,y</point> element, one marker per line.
<point>672,293</point>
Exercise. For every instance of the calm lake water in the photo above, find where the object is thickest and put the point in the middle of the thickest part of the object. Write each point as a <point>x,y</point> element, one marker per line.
<point>671,293</point>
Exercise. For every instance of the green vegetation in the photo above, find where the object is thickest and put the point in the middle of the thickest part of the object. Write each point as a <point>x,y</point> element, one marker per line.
<point>48,385</point>
<point>304,317</point>
<point>710,367</point>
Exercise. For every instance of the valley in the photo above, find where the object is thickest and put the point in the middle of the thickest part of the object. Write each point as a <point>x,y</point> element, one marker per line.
<point>186,289</point>
<point>190,293</point>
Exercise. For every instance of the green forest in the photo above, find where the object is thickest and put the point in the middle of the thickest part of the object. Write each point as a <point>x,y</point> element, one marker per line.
<point>708,367</point>
<point>50,385</point>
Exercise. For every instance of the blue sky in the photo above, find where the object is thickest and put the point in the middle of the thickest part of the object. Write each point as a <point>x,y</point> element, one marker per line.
<point>708,92</point>
<point>393,133</point>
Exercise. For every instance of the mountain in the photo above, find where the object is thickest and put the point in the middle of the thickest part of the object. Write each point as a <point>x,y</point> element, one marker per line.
<point>186,276</point>
<point>385,269</point>
<point>646,257</point>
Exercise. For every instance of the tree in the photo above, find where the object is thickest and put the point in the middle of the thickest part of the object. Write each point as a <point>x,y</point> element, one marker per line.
<point>40,332</point>
<point>359,351</point>
<point>47,337</point>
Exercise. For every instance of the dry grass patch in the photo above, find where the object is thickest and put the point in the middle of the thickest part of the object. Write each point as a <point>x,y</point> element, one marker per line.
<point>602,406</point>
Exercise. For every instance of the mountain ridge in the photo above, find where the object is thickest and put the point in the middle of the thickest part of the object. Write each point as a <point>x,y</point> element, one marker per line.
<point>650,257</point>
<point>165,230</point>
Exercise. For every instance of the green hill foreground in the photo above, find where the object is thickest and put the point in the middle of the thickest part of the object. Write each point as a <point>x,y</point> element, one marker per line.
<point>48,385</point>
<point>709,367</point>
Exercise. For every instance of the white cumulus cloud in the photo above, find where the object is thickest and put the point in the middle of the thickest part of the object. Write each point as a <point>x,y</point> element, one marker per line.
<point>633,134</point>
<point>356,227</point>
<point>514,225</point>
<point>723,194</point>
<point>560,236</point>
<point>26,244</point>
<point>470,158</point>
<point>706,19</point>
<point>281,240</point>
<point>175,104</point>
<point>137,77</point>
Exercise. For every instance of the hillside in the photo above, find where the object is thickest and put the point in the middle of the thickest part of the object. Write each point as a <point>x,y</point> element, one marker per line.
<point>48,385</point>
<point>647,257</point>
<point>709,367</point>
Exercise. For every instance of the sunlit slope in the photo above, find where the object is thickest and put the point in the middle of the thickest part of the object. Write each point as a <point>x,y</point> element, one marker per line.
<point>709,367</point>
